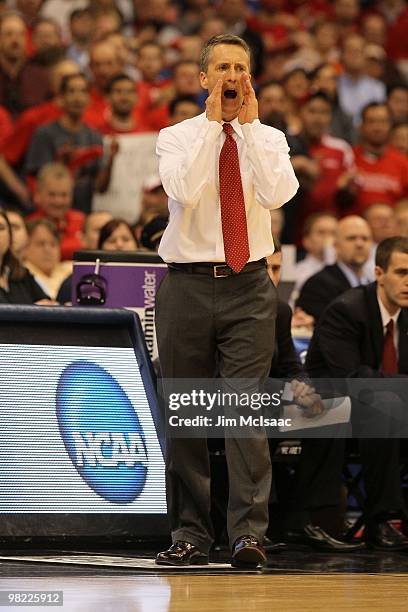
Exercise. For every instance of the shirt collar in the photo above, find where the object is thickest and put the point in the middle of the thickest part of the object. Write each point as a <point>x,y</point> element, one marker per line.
<point>351,276</point>
<point>385,315</point>
<point>236,125</point>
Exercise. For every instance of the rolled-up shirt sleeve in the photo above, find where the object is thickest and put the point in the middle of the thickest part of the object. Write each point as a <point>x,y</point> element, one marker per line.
<point>273,176</point>
<point>184,165</point>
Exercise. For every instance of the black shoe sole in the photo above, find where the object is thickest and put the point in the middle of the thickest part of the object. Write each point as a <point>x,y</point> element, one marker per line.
<point>248,558</point>
<point>194,561</point>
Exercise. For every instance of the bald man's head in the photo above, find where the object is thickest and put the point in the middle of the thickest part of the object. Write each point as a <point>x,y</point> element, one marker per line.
<point>105,63</point>
<point>353,241</point>
<point>60,70</point>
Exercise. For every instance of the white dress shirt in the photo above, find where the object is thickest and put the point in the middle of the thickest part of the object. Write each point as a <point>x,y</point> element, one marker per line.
<point>188,165</point>
<point>386,318</point>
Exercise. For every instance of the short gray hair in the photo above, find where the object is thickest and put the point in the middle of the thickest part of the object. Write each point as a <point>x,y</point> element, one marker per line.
<point>55,170</point>
<point>221,39</point>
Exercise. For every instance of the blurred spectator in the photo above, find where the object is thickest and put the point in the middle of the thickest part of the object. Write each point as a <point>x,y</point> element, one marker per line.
<point>106,21</point>
<point>126,153</point>
<point>326,41</point>
<point>105,63</point>
<point>334,158</point>
<point>53,197</point>
<point>296,85</point>
<point>16,144</point>
<point>17,285</point>
<point>43,257</point>
<point>212,26</point>
<point>71,142</point>
<point>81,29</point>
<point>124,115</point>
<point>46,38</point>
<point>92,228</point>
<point>155,200</point>
<point>18,233</point>
<point>6,125</point>
<point>318,237</point>
<point>152,87</point>
<point>124,52</point>
<point>196,12</point>
<point>234,13</point>
<point>117,235</point>
<point>353,245</point>
<point>183,107</point>
<point>272,105</point>
<point>28,10</point>
<point>324,79</point>
<point>382,171</point>
<point>186,79</point>
<point>22,84</point>
<point>153,232</point>
<point>401,217</point>
<point>399,137</point>
<point>154,204</point>
<point>381,220</point>
<point>397,100</point>
<point>374,29</point>
<point>60,11</point>
<point>346,15</point>
<point>395,13</point>
<point>377,65</point>
<point>355,88</point>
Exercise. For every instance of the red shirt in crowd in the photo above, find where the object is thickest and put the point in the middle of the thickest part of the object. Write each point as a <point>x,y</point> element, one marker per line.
<point>335,157</point>
<point>70,230</point>
<point>104,126</point>
<point>17,142</point>
<point>98,104</point>
<point>6,125</point>
<point>157,116</point>
<point>380,179</point>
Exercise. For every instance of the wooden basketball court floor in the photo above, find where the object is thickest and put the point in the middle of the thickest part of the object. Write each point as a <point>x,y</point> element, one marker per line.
<point>295,582</point>
<point>203,593</point>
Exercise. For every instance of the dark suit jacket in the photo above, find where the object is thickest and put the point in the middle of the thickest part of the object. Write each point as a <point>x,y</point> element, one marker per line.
<point>285,361</point>
<point>321,289</point>
<point>348,340</point>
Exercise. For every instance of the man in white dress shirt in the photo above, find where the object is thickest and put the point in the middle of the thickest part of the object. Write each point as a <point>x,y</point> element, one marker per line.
<point>223,171</point>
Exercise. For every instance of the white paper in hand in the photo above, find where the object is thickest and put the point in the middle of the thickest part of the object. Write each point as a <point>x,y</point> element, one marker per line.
<point>337,411</point>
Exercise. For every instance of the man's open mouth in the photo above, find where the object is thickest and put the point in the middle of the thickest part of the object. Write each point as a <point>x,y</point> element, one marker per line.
<point>230,93</point>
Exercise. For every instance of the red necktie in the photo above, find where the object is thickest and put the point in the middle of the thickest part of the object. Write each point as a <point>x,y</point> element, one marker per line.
<point>233,216</point>
<point>389,357</point>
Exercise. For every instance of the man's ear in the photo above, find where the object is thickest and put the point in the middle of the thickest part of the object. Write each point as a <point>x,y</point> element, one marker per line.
<point>203,80</point>
<point>379,273</point>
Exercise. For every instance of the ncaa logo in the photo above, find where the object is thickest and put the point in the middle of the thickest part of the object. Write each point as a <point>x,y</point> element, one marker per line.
<point>101,432</point>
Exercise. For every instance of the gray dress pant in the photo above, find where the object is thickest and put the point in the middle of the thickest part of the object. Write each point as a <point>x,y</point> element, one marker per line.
<point>202,321</point>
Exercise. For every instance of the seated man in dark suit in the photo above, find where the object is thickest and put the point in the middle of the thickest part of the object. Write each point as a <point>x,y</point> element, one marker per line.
<point>363,334</point>
<point>310,491</point>
<point>353,247</point>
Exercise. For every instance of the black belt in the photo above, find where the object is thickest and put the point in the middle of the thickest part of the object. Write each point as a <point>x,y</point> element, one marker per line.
<point>216,270</point>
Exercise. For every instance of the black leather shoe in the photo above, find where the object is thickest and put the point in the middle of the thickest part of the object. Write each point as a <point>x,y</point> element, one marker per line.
<point>384,536</point>
<point>182,553</point>
<point>318,539</point>
<point>248,553</point>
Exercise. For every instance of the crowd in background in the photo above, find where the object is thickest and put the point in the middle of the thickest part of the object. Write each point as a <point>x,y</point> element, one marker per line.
<point>85,86</point>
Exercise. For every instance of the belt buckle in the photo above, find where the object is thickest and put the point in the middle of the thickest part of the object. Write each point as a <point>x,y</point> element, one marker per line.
<point>215,270</point>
